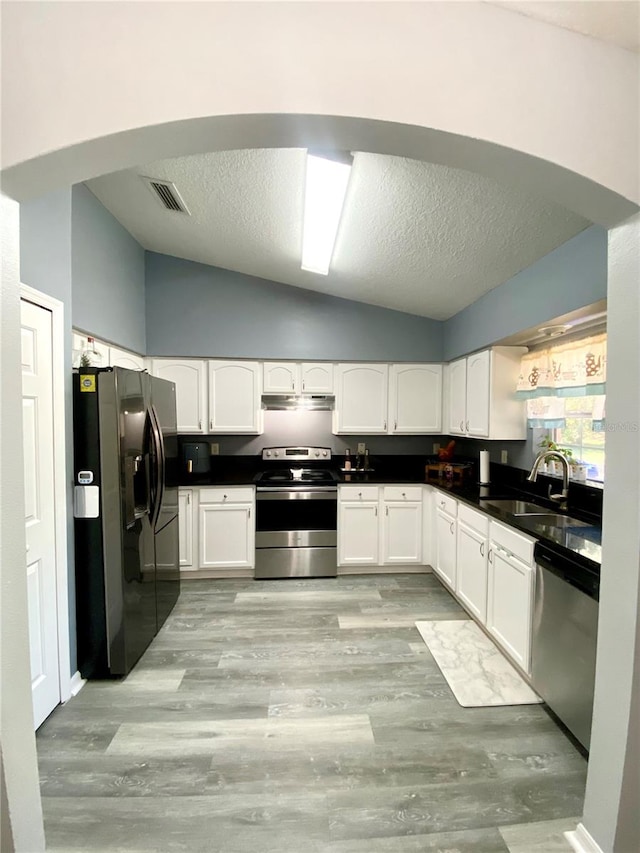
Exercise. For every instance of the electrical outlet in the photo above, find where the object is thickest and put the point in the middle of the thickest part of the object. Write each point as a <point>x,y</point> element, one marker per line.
<point>361,447</point>
<point>504,456</point>
<point>215,448</point>
<point>436,448</point>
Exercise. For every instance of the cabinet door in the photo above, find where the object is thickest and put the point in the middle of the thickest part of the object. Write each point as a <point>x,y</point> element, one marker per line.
<point>185,528</point>
<point>402,533</point>
<point>122,358</point>
<point>471,570</point>
<point>358,534</point>
<point>445,565</point>
<point>478,392</point>
<point>457,396</point>
<point>280,377</point>
<point>361,404</point>
<point>415,398</point>
<point>317,378</point>
<point>226,534</point>
<point>191,393</point>
<point>510,593</point>
<point>234,397</point>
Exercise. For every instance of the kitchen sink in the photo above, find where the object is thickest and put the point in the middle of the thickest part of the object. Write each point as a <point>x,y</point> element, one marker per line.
<point>526,509</point>
<point>515,507</point>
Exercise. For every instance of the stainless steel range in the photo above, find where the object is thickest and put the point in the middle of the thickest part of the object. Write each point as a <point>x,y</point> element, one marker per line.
<point>296,514</point>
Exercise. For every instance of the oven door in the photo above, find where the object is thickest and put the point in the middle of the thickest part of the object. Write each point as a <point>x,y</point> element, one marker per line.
<point>296,532</point>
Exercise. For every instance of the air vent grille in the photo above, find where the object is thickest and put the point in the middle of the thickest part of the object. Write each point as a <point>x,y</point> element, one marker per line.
<point>167,194</point>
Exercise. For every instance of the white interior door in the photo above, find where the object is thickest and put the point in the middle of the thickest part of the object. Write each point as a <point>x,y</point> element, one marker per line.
<point>38,438</point>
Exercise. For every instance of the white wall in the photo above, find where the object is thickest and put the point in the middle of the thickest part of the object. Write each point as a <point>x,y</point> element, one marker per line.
<point>459,68</point>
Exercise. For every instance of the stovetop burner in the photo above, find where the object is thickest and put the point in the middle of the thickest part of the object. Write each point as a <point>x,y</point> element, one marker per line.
<point>291,476</point>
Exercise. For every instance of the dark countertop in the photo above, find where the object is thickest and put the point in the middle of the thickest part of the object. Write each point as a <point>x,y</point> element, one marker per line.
<point>582,543</point>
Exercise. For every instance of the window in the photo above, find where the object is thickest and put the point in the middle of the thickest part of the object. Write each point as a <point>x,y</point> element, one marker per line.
<point>579,436</point>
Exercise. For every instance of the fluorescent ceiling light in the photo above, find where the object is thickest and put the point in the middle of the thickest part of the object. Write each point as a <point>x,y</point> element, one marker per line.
<point>326,186</point>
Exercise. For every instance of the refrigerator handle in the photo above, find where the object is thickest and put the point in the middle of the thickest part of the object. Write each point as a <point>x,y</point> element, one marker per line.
<point>160,462</point>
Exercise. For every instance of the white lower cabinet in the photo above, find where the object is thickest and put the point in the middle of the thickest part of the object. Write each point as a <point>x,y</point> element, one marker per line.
<point>445,563</point>
<point>185,530</point>
<point>358,537</point>
<point>226,528</point>
<point>379,526</point>
<point>471,561</point>
<point>510,593</point>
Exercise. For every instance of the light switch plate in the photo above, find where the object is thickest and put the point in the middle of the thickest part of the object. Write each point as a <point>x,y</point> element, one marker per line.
<point>504,456</point>
<point>215,448</point>
<point>436,447</point>
<point>361,447</point>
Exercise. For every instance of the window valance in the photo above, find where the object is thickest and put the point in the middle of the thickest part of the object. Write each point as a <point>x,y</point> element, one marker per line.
<point>574,369</point>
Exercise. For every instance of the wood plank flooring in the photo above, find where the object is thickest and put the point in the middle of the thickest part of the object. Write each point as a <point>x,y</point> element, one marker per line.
<point>302,716</point>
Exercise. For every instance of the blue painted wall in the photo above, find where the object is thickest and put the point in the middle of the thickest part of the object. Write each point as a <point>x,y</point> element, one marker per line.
<point>108,275</point>
<point>204,311</point>
<point>570,277</point>
<point>45,264</point>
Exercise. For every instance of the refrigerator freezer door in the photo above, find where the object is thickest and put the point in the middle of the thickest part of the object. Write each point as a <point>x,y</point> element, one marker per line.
<point>163,401</point>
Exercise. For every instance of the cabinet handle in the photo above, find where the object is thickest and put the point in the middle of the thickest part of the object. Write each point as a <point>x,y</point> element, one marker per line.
<point>249,516</point>
<point>385,426</point>
<point>461,426</point>
<point>200,425</point>
<point>359,494</point>
<point>404,494</point>
<point>386,510</point>
<point>482,549</point>
<point>210,426</point>
<point>395,425</point>
<point>303,384</point>
<point>188,497</point>
<point>467,426</point>
<point>442,503</point>
<point>490,553</point>
<point>452,524</point>
<point>224,497</point>
<point>376,509</point>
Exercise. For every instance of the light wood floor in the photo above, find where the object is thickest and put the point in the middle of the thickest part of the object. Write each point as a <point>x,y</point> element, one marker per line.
<point>301,716</point>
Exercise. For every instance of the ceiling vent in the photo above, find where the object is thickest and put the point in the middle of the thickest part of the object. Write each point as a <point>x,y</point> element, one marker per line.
<point>167,194</point>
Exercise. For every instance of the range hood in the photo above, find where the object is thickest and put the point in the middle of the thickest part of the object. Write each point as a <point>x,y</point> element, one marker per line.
<point>293,403</point>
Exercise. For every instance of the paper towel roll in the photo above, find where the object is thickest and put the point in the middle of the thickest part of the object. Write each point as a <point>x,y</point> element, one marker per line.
<point>484,466</point>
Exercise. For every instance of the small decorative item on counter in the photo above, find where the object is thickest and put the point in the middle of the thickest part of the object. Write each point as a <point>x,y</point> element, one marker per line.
<point>347,459</point>
<point>448,473</point>
<point>446,453</point>
<point>456,472</point>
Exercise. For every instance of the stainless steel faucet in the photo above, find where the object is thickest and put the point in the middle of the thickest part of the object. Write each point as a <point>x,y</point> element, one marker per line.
<point>533,476</point>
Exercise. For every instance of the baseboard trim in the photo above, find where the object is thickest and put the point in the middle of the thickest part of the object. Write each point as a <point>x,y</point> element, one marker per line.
<point>76,684</point>
<point>212,574</point>
<point>581,840</point>
<point>384,570</point>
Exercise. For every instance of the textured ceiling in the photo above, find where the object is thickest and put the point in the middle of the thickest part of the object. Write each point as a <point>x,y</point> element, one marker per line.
<point>414,236</point>
<point>614,21</point>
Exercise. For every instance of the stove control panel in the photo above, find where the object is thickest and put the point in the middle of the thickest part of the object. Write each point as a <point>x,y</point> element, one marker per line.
<point>296,454</point>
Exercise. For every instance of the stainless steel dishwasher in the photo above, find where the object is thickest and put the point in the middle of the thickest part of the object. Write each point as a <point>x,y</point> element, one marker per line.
<point>565,627</point>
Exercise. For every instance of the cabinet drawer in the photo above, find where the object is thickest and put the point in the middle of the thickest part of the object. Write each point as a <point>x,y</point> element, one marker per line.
<point>513,541</point>
<point>226,494</point>
<point>477,521</point>
<point>445,503</point>
<point>402,493</point>
<point>358,493</point>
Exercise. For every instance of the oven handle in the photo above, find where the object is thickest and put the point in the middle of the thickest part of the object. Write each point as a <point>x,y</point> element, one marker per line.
<point>321,493</point>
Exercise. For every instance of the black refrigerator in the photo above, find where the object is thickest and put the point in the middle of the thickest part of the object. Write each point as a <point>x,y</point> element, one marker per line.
<point>126,515</point>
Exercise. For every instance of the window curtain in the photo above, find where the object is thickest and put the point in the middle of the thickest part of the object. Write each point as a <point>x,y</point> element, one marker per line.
<point>574,369</point>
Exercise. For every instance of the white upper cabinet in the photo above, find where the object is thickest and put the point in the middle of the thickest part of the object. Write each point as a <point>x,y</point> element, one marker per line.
<point>288,377</point>
<point>281,377</point>
<point>415,399</point>
<point>190,379</point>
<point>317,377</point>
<point>481,395</point>
<point>122,358</point>
<point>361,399</point>
<point>478,394</point>
<point>234,397</point>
